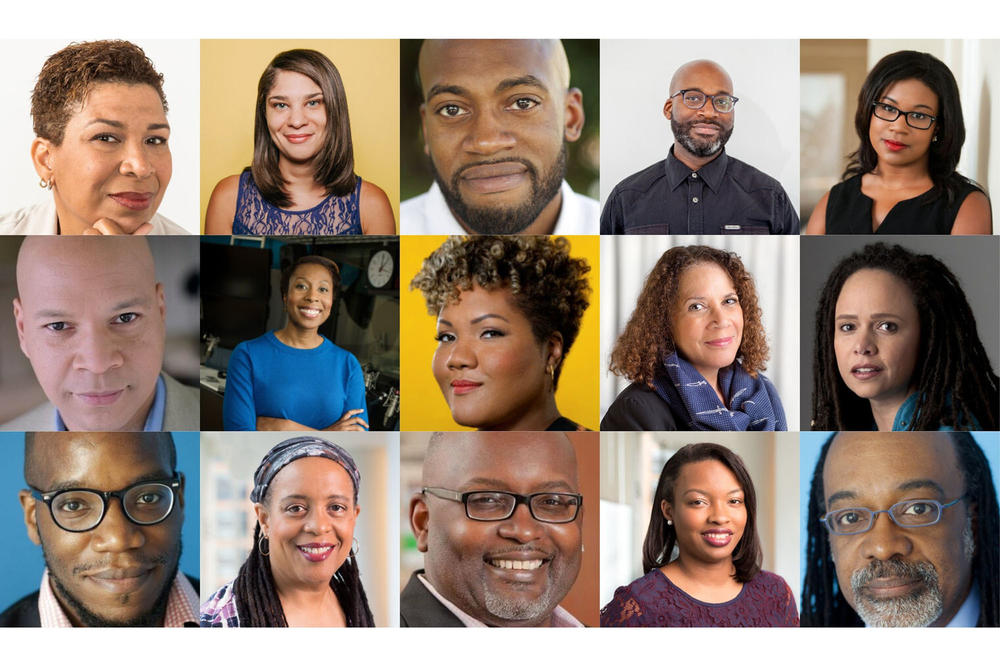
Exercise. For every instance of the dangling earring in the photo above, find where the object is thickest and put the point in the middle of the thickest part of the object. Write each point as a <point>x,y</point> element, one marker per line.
<point>551,370</point>
<point>355,548</point>
<point>261,543</point>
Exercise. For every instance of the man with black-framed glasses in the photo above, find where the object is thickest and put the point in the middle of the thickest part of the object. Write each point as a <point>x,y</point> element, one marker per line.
<point>698,188</point>
<point>499,520</point>
<point>107,510</point>
<point>905,524</point>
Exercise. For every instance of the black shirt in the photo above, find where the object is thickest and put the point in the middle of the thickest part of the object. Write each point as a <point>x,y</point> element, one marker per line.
<point>726,196</point>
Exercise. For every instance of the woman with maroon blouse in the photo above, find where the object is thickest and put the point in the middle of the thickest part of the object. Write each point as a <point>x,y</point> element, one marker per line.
<point>706,507</point>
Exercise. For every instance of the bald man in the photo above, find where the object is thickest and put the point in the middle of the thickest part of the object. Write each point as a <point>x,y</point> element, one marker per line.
<point>496,117</point>
<point>90,318</point>
<point>499,520</point>
<point>698,188</point>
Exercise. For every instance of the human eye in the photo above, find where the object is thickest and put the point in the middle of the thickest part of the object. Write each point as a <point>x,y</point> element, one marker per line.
<point>887,326</point>
<point>57,326</point>
<point>444,337</point>
<point>916,115</point>
<point>694,96</point>
<point>279,106</point>
<point>126,318</point>
<point>731,300</point>
<point>104,137</point>
<point>847,518</point>
<point>149,497</point>
<point>324,289</point>
<point>336,508</point>
<point>492,333</point>
<point>887,108</point>
<point>451,111</point>
<point>696,307</point>
<point>524,104</point>
<point>314,103</point>
<point>296,509</point>
<point>156,140</point>
<point>846,328</point>
<point>918,508</point>
<point>487,500</point>
<point>736,501</point>
<point>72,505</point>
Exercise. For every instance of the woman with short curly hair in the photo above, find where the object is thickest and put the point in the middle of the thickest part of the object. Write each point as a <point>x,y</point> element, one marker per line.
<point>509,309</point>
<point>694,348</point>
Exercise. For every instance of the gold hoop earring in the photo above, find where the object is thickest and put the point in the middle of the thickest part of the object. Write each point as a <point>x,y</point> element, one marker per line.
<point>261,542</point>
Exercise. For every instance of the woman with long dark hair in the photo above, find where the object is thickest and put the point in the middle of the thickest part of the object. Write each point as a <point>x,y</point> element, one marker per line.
<point>302,569</point>
<point>302,178</point>
<point>902,178</point>
<point>702,554</point>
<point>897,348</point>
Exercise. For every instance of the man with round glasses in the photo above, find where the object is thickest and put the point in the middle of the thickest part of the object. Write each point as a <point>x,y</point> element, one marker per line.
<point>499,520</point>
<point>903,531</point>
<point>107,510</point>
<point>698,188</point>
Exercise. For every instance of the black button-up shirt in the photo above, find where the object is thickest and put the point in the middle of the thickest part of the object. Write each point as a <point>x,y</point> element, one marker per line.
<point>726,196</point>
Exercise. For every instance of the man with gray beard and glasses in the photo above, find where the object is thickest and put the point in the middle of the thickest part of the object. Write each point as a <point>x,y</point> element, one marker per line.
<point>903,532</point>
<point>499,519</point>
<point>698,188</point>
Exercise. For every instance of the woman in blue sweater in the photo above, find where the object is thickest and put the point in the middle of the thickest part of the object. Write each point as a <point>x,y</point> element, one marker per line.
<point>294,378</point>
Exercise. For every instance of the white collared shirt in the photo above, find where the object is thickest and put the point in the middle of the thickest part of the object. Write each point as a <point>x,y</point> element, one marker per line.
<point>560,616</point>
<point>429,214</point>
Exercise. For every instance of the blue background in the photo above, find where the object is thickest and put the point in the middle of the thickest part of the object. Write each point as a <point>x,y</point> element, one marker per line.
<point>810,444</point>
<point>21,561</point>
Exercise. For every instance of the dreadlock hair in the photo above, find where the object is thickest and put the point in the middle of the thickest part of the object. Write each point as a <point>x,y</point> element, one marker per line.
<point>257,601</point>
<point>661,538</point>
<point>823,603</point>
<point>955,383</point>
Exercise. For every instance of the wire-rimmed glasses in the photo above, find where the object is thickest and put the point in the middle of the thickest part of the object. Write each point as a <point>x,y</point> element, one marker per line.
<point>908,513</point>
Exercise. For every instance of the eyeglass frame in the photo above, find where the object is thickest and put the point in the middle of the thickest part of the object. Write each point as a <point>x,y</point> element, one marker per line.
<point>173,483</point>
<point>905,114</point>
<point>707,97</point>
<point>455,496</point>
<point>874,515</point>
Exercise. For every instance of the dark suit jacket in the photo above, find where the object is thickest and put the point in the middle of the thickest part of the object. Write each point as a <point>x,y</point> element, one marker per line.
<point>24,611</point>
<point>639,407</point>
<point>419,608</point>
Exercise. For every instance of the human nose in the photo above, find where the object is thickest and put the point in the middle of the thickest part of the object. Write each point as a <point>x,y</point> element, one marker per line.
<point>719,513</point>
<point>117,533</point>
<point>521,526</point>
<point>885,539</point>
<point>297,116</point>
<point>98,352</point>
<point>318,523</point>
<point>461,355</point>
<point>136,161</point>
<point>488,134</point>
<point>864,345</point>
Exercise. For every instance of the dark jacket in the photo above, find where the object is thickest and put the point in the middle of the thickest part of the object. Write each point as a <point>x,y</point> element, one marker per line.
<point>419,608</point>
<point>639,407</point>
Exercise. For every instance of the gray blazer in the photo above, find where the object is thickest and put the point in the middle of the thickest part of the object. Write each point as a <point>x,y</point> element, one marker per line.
<point>181,412</point>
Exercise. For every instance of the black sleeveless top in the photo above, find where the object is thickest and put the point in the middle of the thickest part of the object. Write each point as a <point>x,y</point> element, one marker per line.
<point>849,211</point>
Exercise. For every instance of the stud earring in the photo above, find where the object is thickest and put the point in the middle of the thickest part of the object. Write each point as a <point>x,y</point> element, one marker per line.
<point>669,522</point>
<point>934,139</point>
<point>45,184</point>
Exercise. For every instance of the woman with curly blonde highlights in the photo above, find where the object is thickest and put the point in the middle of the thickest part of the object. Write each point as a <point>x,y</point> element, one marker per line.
<point>694,348</point>
<point>508,311</point>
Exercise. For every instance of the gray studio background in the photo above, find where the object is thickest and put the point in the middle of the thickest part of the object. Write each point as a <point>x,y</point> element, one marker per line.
<point>972,259</point>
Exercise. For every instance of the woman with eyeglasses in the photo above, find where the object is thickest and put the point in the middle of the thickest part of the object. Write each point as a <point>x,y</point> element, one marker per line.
<point>902,178</point>
<point>302,570</point>
<point>702,553</point>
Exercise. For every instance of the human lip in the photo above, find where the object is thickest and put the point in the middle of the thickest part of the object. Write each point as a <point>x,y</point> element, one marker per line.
<point>892,587</point>
<point>721,342</point>
<point>518,565</point>
<point>894,146</point>
<point>309,313</point>
<point>865,371</point>
<point>133,200</point>
<point>494,177</point>
<point>99,398</point>
<point>717,538</point>
<point>316,552</point>
<point>706,128</point>
<point>121,581</point>
<point>463,386</point>
<point>298,138</point>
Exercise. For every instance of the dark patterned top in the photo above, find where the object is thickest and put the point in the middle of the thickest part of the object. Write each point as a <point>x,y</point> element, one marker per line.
<point>849,211</point>
<point>654,601</point>
<point>334,216</point>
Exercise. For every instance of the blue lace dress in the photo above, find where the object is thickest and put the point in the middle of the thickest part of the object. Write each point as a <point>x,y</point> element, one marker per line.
<point>334,216</point>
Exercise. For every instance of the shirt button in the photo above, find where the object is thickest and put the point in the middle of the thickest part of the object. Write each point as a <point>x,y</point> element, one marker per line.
<point>694,199</point>
<point>694,175</point>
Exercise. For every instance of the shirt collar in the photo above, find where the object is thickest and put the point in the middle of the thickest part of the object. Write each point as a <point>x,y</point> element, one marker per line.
<point>968,613</point>
<point>182,605</point>
<point>560,616</point>
<point>712,173</point>
<point>154,419</point>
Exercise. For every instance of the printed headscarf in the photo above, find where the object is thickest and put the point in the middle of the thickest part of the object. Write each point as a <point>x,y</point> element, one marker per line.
<point>291,450</point>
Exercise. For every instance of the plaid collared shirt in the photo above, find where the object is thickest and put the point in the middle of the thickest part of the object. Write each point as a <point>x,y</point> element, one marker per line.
<point>182,605</point>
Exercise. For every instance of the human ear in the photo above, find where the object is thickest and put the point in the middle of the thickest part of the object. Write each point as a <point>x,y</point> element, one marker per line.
<point>554,350</point>
<point>41,157</point>
<point>419,518</point>
<point>668,108</point>
<point>19,324</point>
<point>180,491</point>
<point>262,517</point>
<point>161,301</point>
<point>30,505</point>
<point>423,127</point>
<point>667,510</point>
<point>574,115</point>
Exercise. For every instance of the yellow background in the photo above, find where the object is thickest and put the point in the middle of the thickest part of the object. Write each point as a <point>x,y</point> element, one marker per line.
<point>230,70</point>
<point>423,407</point>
